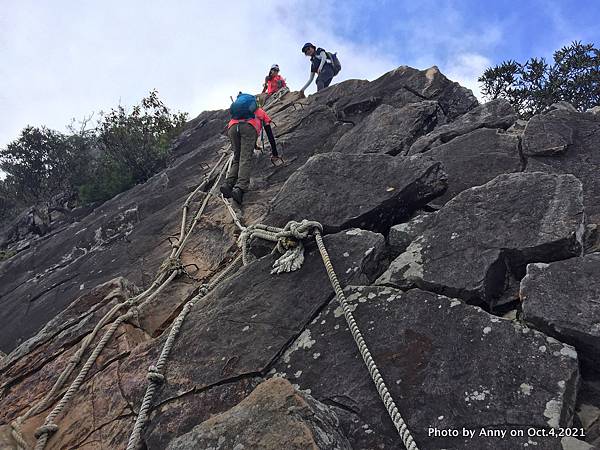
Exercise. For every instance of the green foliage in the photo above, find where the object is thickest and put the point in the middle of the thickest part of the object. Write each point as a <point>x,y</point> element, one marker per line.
<point>38,164</point>
<point>123,149</point>
<point>533,86</point>
<point>8,205</point>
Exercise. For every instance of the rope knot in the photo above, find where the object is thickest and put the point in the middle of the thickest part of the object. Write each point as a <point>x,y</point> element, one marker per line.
<point>50,428</point>
<point>301,230</point>
<point>172,265</point>
<point>155,376</point>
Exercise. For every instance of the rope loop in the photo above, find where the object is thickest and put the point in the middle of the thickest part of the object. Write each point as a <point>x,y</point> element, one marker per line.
<point>155,376</point>
<point>50,428</point>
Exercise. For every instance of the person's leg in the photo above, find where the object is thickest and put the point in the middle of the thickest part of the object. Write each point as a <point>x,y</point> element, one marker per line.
<point>234,137</point>
<point>325,77</point>
<point>248,139</point>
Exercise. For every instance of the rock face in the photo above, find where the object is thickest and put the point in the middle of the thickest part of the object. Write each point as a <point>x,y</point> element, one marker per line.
<point>562,299</point>
<point>391,130</point>
<point>272,417</point>
<point>546,224</point>
<point>546,136</point>
<point>495,114</point>
<point>406,85</point>
<point>460,219</point>
<point>476,158</point>
<point>576,137</point>
<point>365,191</point>
<point>421,342</point>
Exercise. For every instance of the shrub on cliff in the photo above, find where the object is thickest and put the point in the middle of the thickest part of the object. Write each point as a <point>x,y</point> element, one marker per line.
<point>536,84</point>
<point>123,149</point>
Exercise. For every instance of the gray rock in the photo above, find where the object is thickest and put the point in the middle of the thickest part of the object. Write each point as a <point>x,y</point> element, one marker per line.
<point>591,238</point>
<point>480,242</point>
<point>495,114</point>
<point>595,110</point>
<point>400,87</point>
<point>570,443</point>
<point>589,418</point>
<point>180,415</point>
<point>518,127</point>
<point>562,105</point>
<point>546,136</point>
<point>391,130</point>
<point>364,191</point>
<point>447,365</point>
<point>562,299</point>
<point>272,417</point>
<point>581,158</point>
<point>401,235</point>
<point>476,158</point>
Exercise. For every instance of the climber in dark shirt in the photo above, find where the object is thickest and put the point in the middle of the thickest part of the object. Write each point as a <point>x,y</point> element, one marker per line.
<point>319,64</point>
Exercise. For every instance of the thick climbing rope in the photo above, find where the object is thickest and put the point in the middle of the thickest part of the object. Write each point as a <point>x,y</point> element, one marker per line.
<point>382,389</point>
<point>156,375</point>
<point>168,271</point>
<point>300,231</point>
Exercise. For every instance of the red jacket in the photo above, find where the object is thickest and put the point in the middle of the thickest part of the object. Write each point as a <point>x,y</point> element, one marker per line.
<point>260,117</point>
<point>274,84</point>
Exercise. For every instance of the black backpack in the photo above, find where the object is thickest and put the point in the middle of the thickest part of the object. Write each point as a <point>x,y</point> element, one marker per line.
<point>335,62</point>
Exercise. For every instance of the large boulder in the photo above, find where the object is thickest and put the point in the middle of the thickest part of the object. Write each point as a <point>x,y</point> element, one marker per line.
<point>389,130</point>
<point>365,191</point>
<point>495,114</point>
<point>272,417</point>
<point>406,85</point>
<point>477,246</point>
<point>448,366</point>
<point>546,135</point>
<point>570,141</point>
<point>476,158</point>
<point>562,299</point>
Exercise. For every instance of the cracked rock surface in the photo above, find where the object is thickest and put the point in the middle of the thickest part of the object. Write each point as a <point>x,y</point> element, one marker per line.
<point>366,191</point>
<point>489,233</point>
<point>579,134</point>
<point>272,417</point>
<point>563,299</point>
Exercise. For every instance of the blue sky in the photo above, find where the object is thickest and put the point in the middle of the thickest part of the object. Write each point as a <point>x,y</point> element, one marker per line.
<point>66,59</point>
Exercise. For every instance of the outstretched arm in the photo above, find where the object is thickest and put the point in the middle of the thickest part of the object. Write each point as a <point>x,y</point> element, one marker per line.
<point>312,77</point>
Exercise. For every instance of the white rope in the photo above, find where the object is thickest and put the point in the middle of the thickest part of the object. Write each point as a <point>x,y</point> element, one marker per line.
<point>382,389</point>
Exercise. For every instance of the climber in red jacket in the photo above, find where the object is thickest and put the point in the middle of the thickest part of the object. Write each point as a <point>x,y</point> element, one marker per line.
<point>273,81</point>
<point>244,127</point>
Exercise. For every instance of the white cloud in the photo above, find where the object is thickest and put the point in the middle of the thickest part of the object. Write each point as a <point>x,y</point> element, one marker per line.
<point>465,68</point>
<point>64,59</point>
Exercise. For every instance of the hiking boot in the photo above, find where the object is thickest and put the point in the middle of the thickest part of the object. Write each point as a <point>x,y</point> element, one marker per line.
<point>237,194</point>
<point>225,190</point>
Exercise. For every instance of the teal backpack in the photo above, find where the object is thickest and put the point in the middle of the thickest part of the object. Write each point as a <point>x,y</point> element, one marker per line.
<point>243,107</point>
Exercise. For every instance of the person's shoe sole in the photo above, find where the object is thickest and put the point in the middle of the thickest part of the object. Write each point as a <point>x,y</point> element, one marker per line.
<point>237,194</point>
<point>226,191</point>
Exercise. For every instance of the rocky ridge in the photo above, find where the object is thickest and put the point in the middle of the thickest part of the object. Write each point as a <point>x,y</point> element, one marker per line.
<point>440,215</point>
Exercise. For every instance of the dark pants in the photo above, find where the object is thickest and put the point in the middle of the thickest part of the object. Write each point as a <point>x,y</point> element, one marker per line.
<point>243,138</point>
<point>325,77</point>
